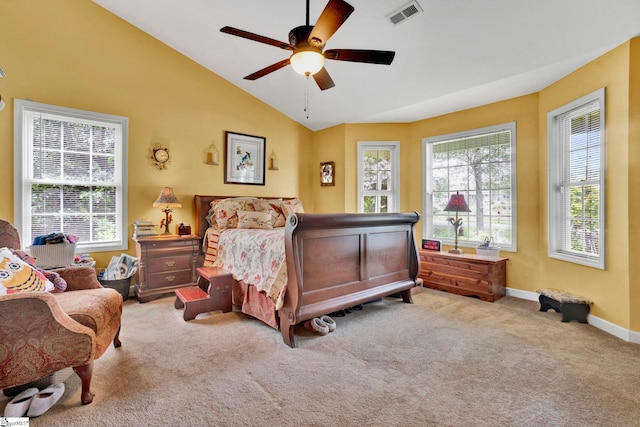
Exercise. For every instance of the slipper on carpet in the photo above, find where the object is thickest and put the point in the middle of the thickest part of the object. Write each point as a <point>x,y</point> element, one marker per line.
<point>316,325</point>
<point>331,324</point>
<point>20,403</point>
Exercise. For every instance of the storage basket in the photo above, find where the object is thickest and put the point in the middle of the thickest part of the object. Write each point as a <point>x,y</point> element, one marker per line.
<point>53,256</point>
<point>121,285</point>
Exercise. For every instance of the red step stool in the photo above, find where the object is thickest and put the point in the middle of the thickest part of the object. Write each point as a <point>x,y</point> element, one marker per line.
<point>212,293</point>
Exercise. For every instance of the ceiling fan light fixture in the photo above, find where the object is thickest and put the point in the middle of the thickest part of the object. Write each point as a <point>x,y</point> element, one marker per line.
<point>307,62</point>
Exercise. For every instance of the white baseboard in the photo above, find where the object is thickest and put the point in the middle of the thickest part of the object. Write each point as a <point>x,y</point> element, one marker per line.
<point>597,322</point>
<point>517,293</point>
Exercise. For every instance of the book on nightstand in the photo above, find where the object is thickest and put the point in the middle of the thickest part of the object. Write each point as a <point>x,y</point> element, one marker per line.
<point>144,228</point>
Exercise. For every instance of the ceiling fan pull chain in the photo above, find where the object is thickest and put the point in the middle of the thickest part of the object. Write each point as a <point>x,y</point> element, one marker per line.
<point>306,97</point>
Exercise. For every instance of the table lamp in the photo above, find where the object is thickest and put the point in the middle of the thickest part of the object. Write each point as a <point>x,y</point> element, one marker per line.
<point>167,201</point>
<point>456,204</point>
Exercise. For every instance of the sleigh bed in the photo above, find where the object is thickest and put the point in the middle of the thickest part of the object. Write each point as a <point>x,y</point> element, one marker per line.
<point>330,261</point>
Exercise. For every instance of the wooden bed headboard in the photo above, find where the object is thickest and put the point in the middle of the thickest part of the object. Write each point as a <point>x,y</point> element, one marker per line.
<point>202,205</point>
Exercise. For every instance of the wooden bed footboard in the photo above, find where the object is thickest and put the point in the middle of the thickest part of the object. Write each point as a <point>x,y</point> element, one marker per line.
<point>335,261</point>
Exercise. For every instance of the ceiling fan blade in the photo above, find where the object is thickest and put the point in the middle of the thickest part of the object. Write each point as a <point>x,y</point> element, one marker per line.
<point>256,37</point>
<point>384,57</point>
<point>331,18</point>
<point>267,70</point>
<point>323,79</point>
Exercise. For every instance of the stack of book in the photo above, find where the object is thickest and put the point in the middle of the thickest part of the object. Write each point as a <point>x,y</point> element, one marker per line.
<point>143,228</point>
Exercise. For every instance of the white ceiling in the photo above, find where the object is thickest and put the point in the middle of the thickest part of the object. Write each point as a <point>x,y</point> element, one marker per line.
<point>455,55</point>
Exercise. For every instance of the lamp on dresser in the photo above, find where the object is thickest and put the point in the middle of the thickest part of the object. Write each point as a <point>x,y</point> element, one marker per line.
<point>456,204</point>
<point>167,201</point>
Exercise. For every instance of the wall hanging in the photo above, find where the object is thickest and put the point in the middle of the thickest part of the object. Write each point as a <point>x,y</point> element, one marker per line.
<point>244,159</point>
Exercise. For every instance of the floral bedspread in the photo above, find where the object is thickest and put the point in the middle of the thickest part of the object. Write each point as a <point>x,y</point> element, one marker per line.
<point>256,257</point>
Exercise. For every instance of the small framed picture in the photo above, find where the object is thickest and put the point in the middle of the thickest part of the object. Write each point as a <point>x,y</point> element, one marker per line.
<point>244,159</point>
<point>327,174</point>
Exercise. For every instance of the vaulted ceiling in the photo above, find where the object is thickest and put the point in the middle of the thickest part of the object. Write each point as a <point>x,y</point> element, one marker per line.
<point>454,54</point>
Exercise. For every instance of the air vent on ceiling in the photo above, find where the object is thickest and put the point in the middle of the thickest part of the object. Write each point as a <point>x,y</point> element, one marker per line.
<point>405,12</point>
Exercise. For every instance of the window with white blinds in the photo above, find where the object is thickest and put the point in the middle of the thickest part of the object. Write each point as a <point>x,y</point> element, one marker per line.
<point>378,176</point>
<point>480,164</point>
<point>70,175</point>
<point>576,149</point>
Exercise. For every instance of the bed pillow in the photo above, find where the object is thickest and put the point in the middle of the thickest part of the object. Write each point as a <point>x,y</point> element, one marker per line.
<point>18,276</point>
<point>226,211</point>
<point>292,206</point>
<point>253,219</point>
<point>274,208</point>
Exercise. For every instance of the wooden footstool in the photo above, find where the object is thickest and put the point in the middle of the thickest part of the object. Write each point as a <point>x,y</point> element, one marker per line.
<point>212,293</point>
<point>571,306</point>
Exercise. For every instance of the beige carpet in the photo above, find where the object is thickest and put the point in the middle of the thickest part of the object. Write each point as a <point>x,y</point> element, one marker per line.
<point>444,361</point>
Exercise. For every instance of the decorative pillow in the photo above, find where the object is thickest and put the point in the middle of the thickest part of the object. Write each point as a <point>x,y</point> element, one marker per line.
<point>211,216</point>
<point>210,246</point>
<point>59,284</point>
<point>252,219</point>
<point>274,208</point>
<point>18,276</point>
<point>226,211</point>
<point>292,206</point>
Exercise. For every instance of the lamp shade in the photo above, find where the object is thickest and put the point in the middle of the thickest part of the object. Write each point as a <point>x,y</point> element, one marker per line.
<point>457,203</point>
<point>167,199</point>
<point>307,62</point>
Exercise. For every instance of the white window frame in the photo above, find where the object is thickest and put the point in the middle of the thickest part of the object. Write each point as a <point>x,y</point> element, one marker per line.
<point>23,153</point>
<point>394,192</point>
<point>558,164</point>
<point>427,190</point>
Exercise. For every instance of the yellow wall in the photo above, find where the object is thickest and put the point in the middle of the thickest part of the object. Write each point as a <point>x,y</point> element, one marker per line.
<point>76,54</point>
<point>634,183</point>
<point>609,289</point>
<point>522,271</point>
<point>328,146</point>
<point>616,290</point>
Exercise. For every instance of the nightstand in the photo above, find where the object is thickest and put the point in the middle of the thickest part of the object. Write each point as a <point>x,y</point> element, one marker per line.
<point>165,263</point>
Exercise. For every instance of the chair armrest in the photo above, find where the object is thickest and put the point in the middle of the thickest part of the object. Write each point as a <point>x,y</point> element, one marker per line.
<point>78,278</point>
<point>38,338</point>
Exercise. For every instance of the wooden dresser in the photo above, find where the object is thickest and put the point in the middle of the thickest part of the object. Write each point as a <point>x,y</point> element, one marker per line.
<point>464,274</point>
<point>166,263</point>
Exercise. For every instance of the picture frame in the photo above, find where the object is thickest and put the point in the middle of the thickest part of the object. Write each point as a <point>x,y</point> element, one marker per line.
<point>244,159</point>
<point>327,174</point>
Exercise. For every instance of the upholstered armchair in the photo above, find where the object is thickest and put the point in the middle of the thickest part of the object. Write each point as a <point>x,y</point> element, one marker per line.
<point>43,332</point>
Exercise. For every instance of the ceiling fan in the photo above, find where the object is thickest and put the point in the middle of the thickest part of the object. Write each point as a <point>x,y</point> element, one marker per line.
<point>307,43</point>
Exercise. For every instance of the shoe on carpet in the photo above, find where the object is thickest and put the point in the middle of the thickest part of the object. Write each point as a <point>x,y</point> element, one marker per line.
<point>19,405</point>
<point>316,325</point>
<point>331,324</point>
<point>44,400</point>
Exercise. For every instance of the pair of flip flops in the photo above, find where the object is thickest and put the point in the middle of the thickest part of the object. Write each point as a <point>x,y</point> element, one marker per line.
<point>321,325</point>
<point>34,402</point>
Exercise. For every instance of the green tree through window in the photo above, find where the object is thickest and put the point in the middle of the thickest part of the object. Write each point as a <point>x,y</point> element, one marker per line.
<point>480,165</point>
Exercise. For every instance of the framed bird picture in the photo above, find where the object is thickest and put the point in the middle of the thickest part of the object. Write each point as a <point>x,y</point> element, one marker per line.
<point>244,159</point>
